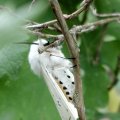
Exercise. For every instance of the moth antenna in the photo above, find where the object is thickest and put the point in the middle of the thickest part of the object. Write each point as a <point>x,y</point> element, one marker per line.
<point>28,43</point>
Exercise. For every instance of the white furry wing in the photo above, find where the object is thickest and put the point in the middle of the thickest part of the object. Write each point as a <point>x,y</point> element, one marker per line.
<point>33,58</point>
<point>65,80</point>
<point>66,109</point>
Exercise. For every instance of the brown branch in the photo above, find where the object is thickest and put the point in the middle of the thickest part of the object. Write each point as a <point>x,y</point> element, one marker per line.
<point>84,5</point>
<point>78,98</point>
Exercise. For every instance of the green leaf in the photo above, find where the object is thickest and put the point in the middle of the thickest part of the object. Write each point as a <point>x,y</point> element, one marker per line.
<point>95,79</point>
<point>111,116</point>
<point>10,29</point>
<point>11,60</point>
<point>108,6</point>
<point>109,53</point>
<point>27,97</point>
<point>96,87</point>
<point>109,38</point>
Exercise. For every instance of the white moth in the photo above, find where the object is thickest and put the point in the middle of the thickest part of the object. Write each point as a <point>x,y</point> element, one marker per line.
<point>56,71</point>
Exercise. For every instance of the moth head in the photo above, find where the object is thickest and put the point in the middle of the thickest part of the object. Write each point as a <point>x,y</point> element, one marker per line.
<point>43,43</point>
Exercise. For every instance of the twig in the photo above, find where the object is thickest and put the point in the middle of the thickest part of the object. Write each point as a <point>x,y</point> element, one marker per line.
<point>94,25</point>
<point>47,36</point>
<point>57,27</point>
<point>115,74</point>
<point>84,5</point>
<point>78,98</point>
<point>33,1</point>
<point>42,25</point>
<point>75,30</point>
<point>94,11</point>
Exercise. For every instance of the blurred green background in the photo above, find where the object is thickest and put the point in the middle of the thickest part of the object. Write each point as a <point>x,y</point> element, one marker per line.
<point>24,96</point>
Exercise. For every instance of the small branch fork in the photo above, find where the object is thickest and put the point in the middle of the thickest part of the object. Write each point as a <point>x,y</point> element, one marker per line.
<point>84,6</point>
<point>79,29</point>
<point>76,29</point>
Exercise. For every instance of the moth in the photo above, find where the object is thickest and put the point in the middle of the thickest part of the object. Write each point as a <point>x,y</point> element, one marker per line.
<point>56,70</point>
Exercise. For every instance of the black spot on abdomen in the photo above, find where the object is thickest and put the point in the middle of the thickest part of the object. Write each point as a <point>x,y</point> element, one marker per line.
<point>73,82</point>
<point>64,88</point>
<point>67,93</point>
<point>70,98</point>
<point>68,76</point>
<point>60,82</point>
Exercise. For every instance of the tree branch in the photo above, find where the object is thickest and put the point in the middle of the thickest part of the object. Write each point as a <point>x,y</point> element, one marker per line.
<point>78,98</point>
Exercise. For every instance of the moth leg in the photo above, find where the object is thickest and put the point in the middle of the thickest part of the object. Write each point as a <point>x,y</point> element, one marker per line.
<point>62,57</point>
<point>70,58</point>
<point>73,66</point>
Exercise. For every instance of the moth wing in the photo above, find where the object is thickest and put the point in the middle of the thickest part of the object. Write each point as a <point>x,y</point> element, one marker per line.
<point>65,80</point>
<point>66,109</point>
